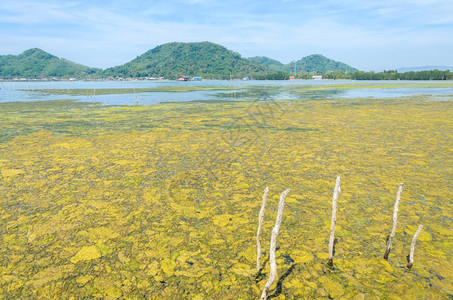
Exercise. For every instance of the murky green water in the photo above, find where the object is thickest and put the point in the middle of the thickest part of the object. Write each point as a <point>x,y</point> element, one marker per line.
<point>161,201</point>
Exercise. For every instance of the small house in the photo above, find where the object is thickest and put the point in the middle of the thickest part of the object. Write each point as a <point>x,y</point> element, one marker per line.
<point>316,77</point>
<point>197,78</point>
<point>183,78</point>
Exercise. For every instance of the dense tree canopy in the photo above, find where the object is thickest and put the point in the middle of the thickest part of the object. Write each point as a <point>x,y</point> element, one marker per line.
<point>412,75</point>
<point>203,59</point>
<point>308,64</point>
<point>318,63</point>
<point>36,63</point>
<point>266,61</point>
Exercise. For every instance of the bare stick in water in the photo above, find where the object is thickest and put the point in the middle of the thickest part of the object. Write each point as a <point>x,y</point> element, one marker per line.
<point>260,223</point>
<point>272,262</point>
<point>410,260</point>
<point>336,191</point>
<point>395,216</point>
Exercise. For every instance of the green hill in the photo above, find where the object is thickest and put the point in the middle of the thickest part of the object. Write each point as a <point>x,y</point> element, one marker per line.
<point>268,62</point>
<point>318,63</point>
<point>36,63</point>
<point>204,59</point>
<point>312,63</point>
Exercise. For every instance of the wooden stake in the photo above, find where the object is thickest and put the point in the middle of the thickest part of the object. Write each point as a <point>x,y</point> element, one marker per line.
<point>336,191</point>
<point>395,216</point>
<point>260,223</point>
<point>272,262</point>
<point>410,259</point>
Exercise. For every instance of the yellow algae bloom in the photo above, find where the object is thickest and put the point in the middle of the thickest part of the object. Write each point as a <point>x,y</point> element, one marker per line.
<point>86,253</point>
<point>11,172</point>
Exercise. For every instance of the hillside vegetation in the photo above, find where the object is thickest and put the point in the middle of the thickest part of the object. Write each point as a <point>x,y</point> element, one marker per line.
<point>36,63</point>
<point>308,64</point>
<point>190,59</point>
<point>318,63</point>
<point>269,62</point>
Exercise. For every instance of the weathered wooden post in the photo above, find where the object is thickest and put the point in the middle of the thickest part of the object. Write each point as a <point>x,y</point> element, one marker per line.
<point>395,216</point>
<point>336,191</point>
<point>260,223</point>
<point>410,257</point>
<point>272,261</point>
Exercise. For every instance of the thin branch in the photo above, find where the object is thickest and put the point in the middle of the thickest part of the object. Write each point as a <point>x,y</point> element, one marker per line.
<point>336,191</point>
<point>260,223</point>
<point>272,262</point>
<point>395,217</point>
<point>414,240</point>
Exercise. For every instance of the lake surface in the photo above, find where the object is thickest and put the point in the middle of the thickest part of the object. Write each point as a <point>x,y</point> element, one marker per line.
<point>227,90</point>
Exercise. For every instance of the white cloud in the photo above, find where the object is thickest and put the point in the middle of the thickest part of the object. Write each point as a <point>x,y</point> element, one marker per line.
<point>352,30</point>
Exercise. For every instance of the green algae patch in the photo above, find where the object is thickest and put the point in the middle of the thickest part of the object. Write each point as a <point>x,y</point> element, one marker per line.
<point>99,234</point>
<point>168,266</point>
<point>243,269</point>
<point>300,256</point>
<point>106,288</point>
<point>223,220</point>
<point>334,289</point>
<point>387,266</point>
<point>84,279</point>
<point>11,172</point>
<point>86,253</point>
<point>52,274</point>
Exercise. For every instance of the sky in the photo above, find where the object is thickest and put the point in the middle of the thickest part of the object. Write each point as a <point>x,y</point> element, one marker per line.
<point>366,34</point>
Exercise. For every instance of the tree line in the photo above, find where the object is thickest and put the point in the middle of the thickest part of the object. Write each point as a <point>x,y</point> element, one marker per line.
<point>385,75</point>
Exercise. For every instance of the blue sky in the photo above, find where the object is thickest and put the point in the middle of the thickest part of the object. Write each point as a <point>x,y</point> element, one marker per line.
<point>366,34</point>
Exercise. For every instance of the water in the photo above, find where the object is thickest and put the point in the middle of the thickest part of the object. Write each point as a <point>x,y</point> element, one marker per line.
<point>161,201</point>
<point>236,90</point>
<point>396,92</point>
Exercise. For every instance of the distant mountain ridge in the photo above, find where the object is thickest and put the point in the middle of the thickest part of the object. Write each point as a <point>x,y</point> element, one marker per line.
<point>311,63</point>
<point>204,59</point>
<point>424,68</point>
<point>36,63</point>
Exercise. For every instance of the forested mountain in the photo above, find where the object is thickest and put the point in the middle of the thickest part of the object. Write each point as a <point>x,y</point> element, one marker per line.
<point>36,63</point>
<point>308,64</point>
<point>203,59</point>
<point>269,62</point>
<point>318,63</point>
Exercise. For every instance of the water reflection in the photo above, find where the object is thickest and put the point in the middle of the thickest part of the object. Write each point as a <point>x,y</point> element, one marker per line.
<point>395,92</point>
<point>227,90</point>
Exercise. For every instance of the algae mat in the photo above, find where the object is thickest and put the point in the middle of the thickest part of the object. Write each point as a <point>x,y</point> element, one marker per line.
<point>162,201</point>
